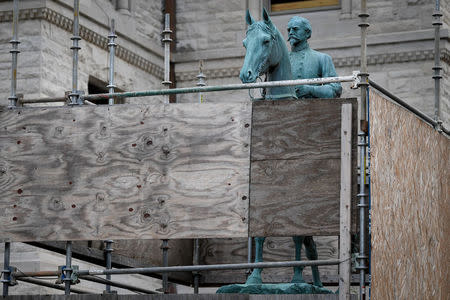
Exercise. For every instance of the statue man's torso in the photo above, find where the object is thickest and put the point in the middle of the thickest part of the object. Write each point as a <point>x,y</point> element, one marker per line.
<point>308,63</point>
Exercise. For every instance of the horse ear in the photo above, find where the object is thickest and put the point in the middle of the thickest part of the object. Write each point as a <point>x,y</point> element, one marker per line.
<point>249,18</point>
<point>266,17</point>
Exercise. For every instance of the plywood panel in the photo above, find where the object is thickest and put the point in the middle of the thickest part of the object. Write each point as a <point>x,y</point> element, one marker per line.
<point>124,172</point>
<point>410,205</point>
<point>295,167</point>
<point>218,251</point>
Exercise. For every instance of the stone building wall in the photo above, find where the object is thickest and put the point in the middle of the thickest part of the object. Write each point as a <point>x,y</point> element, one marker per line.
<point>45,61</point>
<point>400,45</point>
<point>29,63</point>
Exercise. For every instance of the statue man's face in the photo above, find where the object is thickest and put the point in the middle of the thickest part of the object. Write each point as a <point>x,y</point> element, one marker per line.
<point>297,32</point>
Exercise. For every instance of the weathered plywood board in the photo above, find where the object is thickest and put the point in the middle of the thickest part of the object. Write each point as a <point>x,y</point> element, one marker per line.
<point>124,172</point>
<point>218,251</point>
<point>345,239</point>
<point>295,167</point>
<point>410,205</point>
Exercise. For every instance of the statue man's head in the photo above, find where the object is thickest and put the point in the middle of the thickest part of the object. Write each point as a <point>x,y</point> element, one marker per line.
<point>299,30</point>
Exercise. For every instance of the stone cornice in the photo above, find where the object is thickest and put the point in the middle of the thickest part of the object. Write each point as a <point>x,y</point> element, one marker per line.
<point>385,58</point>
<point>209,73</point>
<point>339,62</point>
<point>86,34</point>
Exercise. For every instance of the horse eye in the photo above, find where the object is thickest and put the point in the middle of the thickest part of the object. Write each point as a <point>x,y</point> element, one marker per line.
<point>265,42</point>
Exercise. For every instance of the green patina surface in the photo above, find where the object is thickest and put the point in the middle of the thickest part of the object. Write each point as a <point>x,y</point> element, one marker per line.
<point>308,63</point>
<point>279,288</point>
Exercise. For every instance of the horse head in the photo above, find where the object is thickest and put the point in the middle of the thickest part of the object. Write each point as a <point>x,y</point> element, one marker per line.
<point>266,52</point>
<point>259,43</point>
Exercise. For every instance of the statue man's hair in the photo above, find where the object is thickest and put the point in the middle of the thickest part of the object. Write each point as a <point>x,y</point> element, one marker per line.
<point>303,22</point>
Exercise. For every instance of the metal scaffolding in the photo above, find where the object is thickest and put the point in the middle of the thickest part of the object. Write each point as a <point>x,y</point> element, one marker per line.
<point>363,133</point>
<point>14,52</point>
<point>69,275</point>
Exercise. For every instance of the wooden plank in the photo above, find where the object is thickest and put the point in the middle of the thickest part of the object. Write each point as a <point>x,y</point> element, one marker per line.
<point>217,251</point>
<point>410,193</point>
<point>124,172</point>
<point>295,167</point>
<point>345,240</point>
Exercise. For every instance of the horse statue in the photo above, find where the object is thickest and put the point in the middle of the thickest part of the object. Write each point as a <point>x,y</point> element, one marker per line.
<point>266,52</point>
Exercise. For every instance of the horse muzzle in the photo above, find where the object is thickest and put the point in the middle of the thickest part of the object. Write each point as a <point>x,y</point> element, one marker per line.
<point>247,75</point>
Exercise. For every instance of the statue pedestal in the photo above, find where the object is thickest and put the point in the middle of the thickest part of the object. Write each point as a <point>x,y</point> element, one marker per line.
<point>278,288</point>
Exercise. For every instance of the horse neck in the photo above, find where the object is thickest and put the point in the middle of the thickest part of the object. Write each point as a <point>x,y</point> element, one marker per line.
<point>281,71</point>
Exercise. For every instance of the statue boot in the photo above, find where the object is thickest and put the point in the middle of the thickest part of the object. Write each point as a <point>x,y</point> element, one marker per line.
<point>255,277</point>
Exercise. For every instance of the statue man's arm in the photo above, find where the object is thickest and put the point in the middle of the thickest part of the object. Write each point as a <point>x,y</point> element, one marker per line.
<point>329,90</point>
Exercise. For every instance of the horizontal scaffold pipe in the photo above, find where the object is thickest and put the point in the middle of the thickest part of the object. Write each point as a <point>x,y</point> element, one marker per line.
<point>52,285</point>
<point>202,89</point>
<point>218,88</point>
<point>212,267</point>
<point>281,264</point>
<point>42,100</point>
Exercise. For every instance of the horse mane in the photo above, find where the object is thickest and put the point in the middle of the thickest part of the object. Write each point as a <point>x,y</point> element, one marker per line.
<point>265,27</point>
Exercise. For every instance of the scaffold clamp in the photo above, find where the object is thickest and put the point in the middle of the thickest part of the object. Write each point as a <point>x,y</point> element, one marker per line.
<point>356,80</point>
<point>62,270</point>
<point>8,276</point>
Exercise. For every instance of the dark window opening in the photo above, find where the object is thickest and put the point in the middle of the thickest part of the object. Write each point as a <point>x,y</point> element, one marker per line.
<point>288,5</point>
<point>97,86</point>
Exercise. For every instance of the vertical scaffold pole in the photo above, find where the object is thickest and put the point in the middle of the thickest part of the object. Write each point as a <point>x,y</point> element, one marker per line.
<point>167,40</point>
<point>68,268</point>
<point>201,81</point>
<point>112,50</point>
<point>74,95</point>
<point>14,53</point>
<point>362,148</point>
<point>196,261</point>
<point>165,276</point>
<point>6,269</point>
<point>196,255</point>
<point>249,253</point>
<point>108,253</point>
<point>437,65</point>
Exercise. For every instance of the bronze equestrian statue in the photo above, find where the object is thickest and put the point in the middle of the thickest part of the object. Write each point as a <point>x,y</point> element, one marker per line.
<point>266,52</point>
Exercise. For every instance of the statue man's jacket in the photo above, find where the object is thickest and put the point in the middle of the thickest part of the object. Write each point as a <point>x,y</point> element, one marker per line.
<point>308,63</point>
